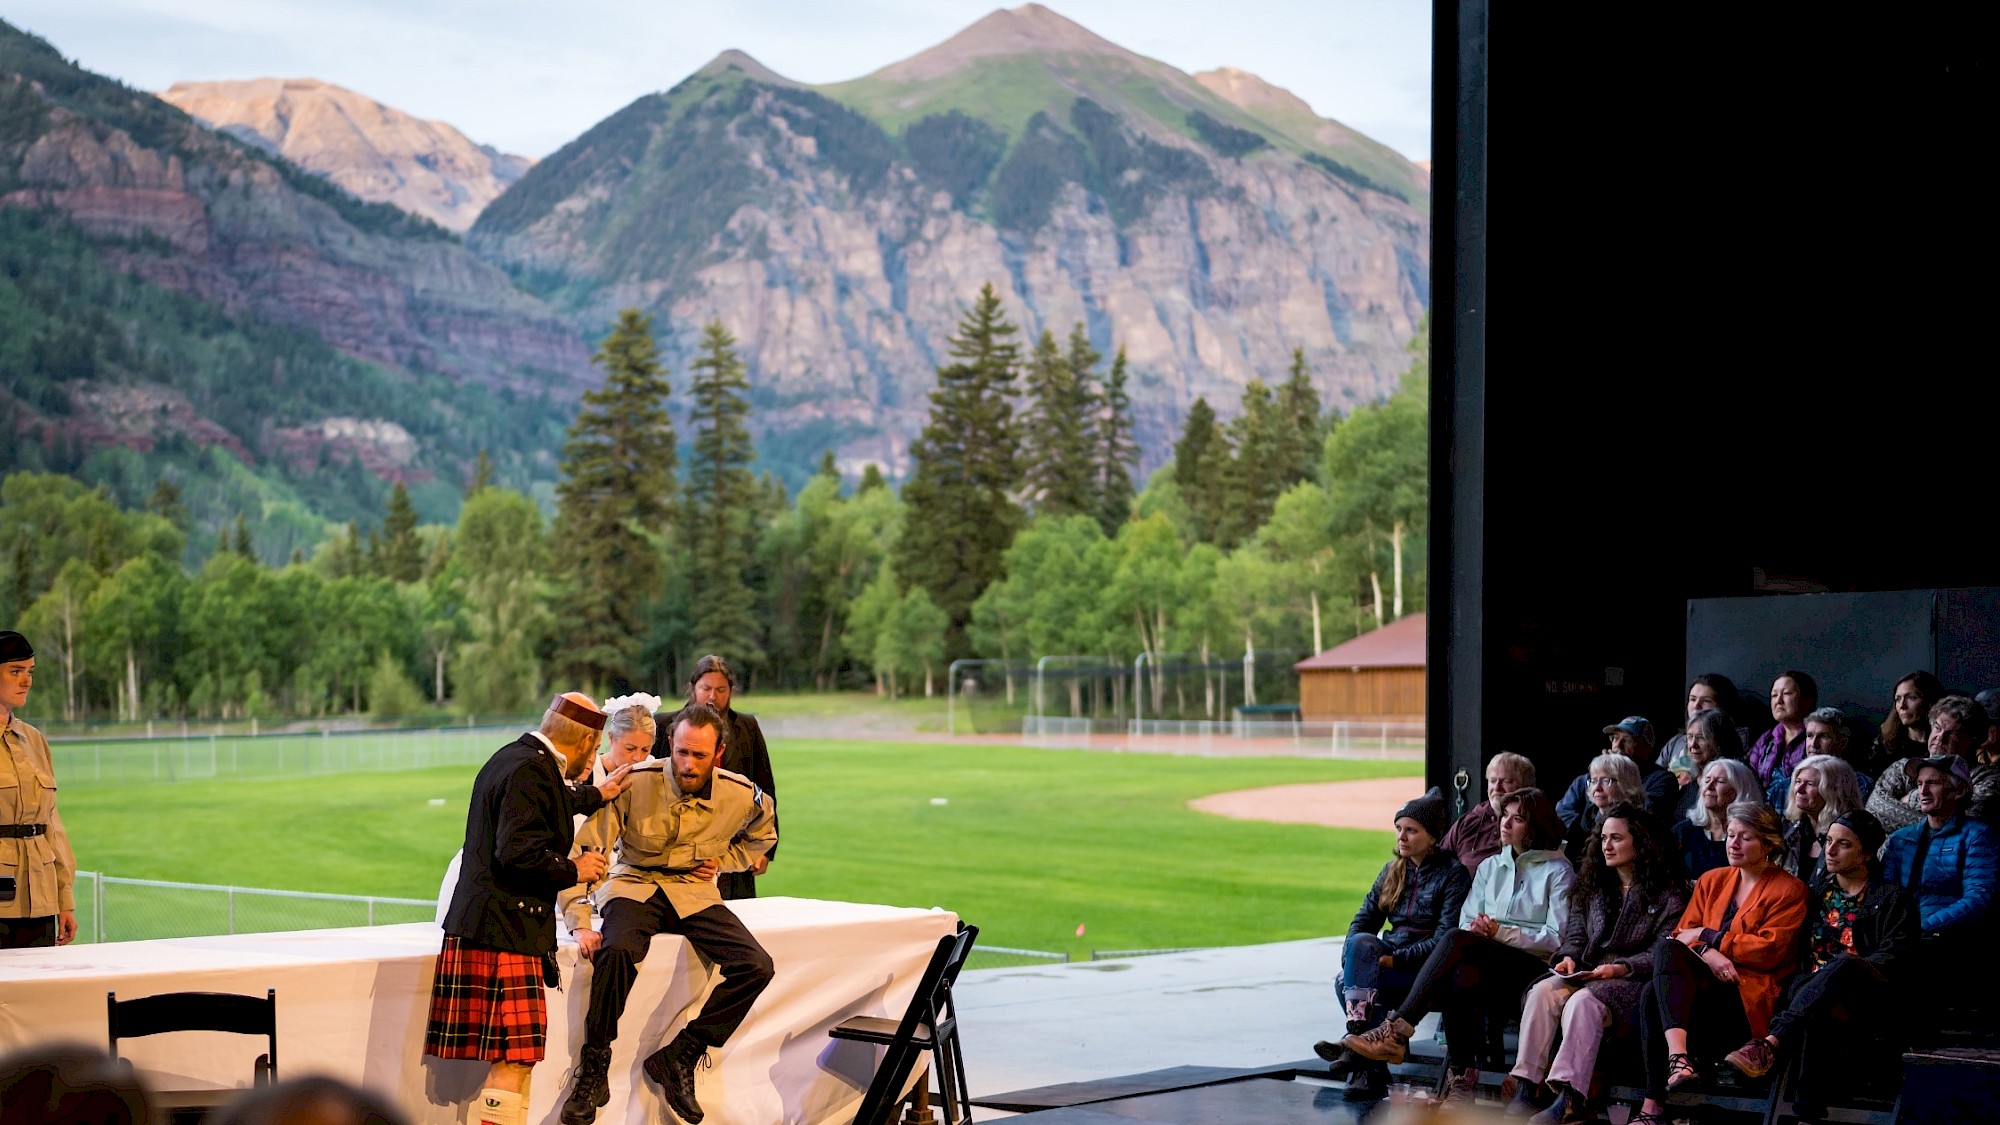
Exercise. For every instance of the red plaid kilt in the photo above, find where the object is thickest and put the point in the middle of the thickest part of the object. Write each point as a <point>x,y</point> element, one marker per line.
<point>486,1004</point>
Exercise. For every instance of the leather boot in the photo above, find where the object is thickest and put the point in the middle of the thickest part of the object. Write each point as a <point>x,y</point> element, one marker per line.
<point>592,1089</point>
<point>672,1066</point>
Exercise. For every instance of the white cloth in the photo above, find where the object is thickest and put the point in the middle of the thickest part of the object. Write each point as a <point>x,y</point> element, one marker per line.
<point>1528,895</point>
<point>353,1004</point>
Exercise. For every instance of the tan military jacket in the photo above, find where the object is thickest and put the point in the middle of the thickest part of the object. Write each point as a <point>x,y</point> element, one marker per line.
<point>656,835</point>
<point>43,868</point>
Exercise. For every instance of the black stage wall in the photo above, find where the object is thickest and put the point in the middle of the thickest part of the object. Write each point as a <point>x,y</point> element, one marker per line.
<point>1710,320</point>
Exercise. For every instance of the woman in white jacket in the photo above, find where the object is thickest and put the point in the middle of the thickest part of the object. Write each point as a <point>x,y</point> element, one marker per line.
<point>1512,922</point>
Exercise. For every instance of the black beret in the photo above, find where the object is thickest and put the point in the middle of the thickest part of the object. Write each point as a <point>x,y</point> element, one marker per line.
<point>14,646</point>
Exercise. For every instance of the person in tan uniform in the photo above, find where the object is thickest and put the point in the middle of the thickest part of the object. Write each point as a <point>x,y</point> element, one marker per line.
<point>37,869</point>
<point>674,830</point>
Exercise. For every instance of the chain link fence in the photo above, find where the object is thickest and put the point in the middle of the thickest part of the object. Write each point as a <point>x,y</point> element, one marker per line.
<point>112,909</point>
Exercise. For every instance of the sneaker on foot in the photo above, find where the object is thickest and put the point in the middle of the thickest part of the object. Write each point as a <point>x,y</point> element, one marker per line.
<point>1754,1059</point>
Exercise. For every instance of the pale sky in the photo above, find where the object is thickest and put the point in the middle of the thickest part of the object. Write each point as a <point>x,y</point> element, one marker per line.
<point>529,75</point>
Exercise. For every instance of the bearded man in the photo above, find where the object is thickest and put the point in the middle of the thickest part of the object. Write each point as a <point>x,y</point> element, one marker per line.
<point>500,932</point>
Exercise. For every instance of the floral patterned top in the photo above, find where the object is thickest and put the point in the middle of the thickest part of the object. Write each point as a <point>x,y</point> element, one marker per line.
<point>1833,924</point>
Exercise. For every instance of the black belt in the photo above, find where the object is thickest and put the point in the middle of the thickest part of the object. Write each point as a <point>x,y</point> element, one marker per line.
<point>660,870</point>
<point>22,831</point>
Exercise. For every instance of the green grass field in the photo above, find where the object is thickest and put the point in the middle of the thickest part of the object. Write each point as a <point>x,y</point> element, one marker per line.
<point>1030,845</point>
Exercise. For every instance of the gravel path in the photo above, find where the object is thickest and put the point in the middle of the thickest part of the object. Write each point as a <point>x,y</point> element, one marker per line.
<point>1334,804</point>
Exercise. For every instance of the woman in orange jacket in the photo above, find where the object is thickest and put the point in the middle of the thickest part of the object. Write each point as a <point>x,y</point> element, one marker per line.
<point>1718,978</point>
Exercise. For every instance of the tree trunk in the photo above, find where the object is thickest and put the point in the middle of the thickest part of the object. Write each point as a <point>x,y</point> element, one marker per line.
<point>1396,544</point>
<point>437,696</point>
<point>1207,682</point>
<point>131,685</point>
<point>1318,645</point>
<point>1375,582</point>
<point>927,680</point>
<point>70,660</point>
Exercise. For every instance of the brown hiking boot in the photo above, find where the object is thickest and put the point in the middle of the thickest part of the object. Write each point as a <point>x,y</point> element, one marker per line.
<point>1754,1059</point>
<point>1387,1042</point>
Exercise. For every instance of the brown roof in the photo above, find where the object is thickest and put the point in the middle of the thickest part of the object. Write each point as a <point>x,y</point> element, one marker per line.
<point>1399,644</point>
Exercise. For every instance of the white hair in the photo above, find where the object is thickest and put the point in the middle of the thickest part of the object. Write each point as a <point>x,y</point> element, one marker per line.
<point>1741,776</point>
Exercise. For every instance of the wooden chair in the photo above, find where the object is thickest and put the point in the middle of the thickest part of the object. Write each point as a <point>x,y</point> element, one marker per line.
<point>929,1024</point>
<point>198,1011</point>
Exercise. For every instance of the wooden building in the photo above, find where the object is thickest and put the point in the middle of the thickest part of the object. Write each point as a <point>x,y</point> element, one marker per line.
<point>1378,676</point>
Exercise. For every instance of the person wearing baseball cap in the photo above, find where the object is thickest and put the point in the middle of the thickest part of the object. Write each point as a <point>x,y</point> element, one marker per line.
<point>1948,862</point>
<point>1863,937</point>
<point>1631,736</point>
<point>37,869</point>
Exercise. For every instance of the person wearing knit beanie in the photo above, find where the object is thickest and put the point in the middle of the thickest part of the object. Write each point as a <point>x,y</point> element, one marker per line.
<point>1427,810</point>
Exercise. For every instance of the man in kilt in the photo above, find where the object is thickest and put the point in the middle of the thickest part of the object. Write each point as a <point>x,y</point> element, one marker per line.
<point>500,933</point>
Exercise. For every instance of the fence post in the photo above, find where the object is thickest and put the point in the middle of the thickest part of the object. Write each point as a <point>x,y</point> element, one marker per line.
<point>232,909</point>
<point>371,911</point>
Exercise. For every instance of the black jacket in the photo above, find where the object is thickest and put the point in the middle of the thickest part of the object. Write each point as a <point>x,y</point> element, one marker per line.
<point>517,839</point>
<point>1429,906</point>
<point>1593,938</point>
<point>1887,926</point>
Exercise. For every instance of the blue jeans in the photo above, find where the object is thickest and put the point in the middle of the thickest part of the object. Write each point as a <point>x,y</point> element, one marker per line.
<point>1360,970</point>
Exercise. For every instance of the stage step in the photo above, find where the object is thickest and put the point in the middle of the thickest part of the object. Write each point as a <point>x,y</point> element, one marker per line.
<point>1134,1085</point>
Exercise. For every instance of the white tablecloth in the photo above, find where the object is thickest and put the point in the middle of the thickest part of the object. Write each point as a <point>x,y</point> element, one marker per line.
<point>353,1003</point>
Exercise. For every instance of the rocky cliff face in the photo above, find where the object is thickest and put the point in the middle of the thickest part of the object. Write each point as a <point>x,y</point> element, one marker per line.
<point>374,151</point>
<point>840,231</point>
<point>183,207</point>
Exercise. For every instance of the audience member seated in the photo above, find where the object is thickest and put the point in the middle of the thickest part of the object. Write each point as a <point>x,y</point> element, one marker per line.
<point>1476,835</point>
<point>1418,896</point>
<point>1823,789</point>
<point>1710,735</point>
<point>1957,726</point>
<point>1946,860</point>
<point>1632,737</point>
<point>1710,691</point>
<point>1906,733</point>
<point>1510,923</point>
<point>1701,837</point>
<point>68,1082</point>
<point>1988,752</point>
<point>1828,733</point>
<point>308,1101</point>
<point>1794,695</point>
<point>1627,897</point>
<point>1610,780</point>
<point>1841,1012</point>
<point>1717,980</point>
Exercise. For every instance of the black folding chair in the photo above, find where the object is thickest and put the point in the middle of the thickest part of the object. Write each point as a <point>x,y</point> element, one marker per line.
<point>929,1024</point>
<point>199,1011</point>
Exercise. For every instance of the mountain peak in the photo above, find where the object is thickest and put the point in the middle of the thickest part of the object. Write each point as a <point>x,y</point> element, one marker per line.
<point>1027,30</point>
<point>751,68</point>
<point>375,151</point>
<point>1246,90</point>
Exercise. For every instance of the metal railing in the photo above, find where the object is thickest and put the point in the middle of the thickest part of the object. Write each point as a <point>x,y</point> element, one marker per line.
<point>271,755</point>
<point>114,909</point>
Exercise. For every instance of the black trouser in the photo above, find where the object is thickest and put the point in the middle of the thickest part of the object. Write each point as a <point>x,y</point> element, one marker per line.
<point>715,933</point>
<point>26,933</point>
<point>1685,994</point>
<point>736,884</point>
<point>1468,978</point>
<point>1836,1018</point>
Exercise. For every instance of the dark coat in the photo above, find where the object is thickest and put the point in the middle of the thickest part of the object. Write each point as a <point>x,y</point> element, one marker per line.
<point>1593,938</point>
<point>1887,926</point>
<point>744,752</point>
<point>518,834</point>
<point>1428,907</point>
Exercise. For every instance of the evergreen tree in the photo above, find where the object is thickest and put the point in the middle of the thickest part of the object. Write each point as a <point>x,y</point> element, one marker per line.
<point>827,468</point>
<point>1117,452</point>
<point>1060,464</point>
<point>960,512</point>
<point>1254,476</point>
<point>871,479</point>
<point>166,503</point>
<point>402,554</point>
<point>723,500</point>
<point>1301,436</point>
<point>614,503</point>
<point>1201,462</point>
<point>482,474</point>
<point>238,541</point>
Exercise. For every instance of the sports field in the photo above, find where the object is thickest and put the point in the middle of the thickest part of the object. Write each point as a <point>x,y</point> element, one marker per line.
<point>1028,843</point>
